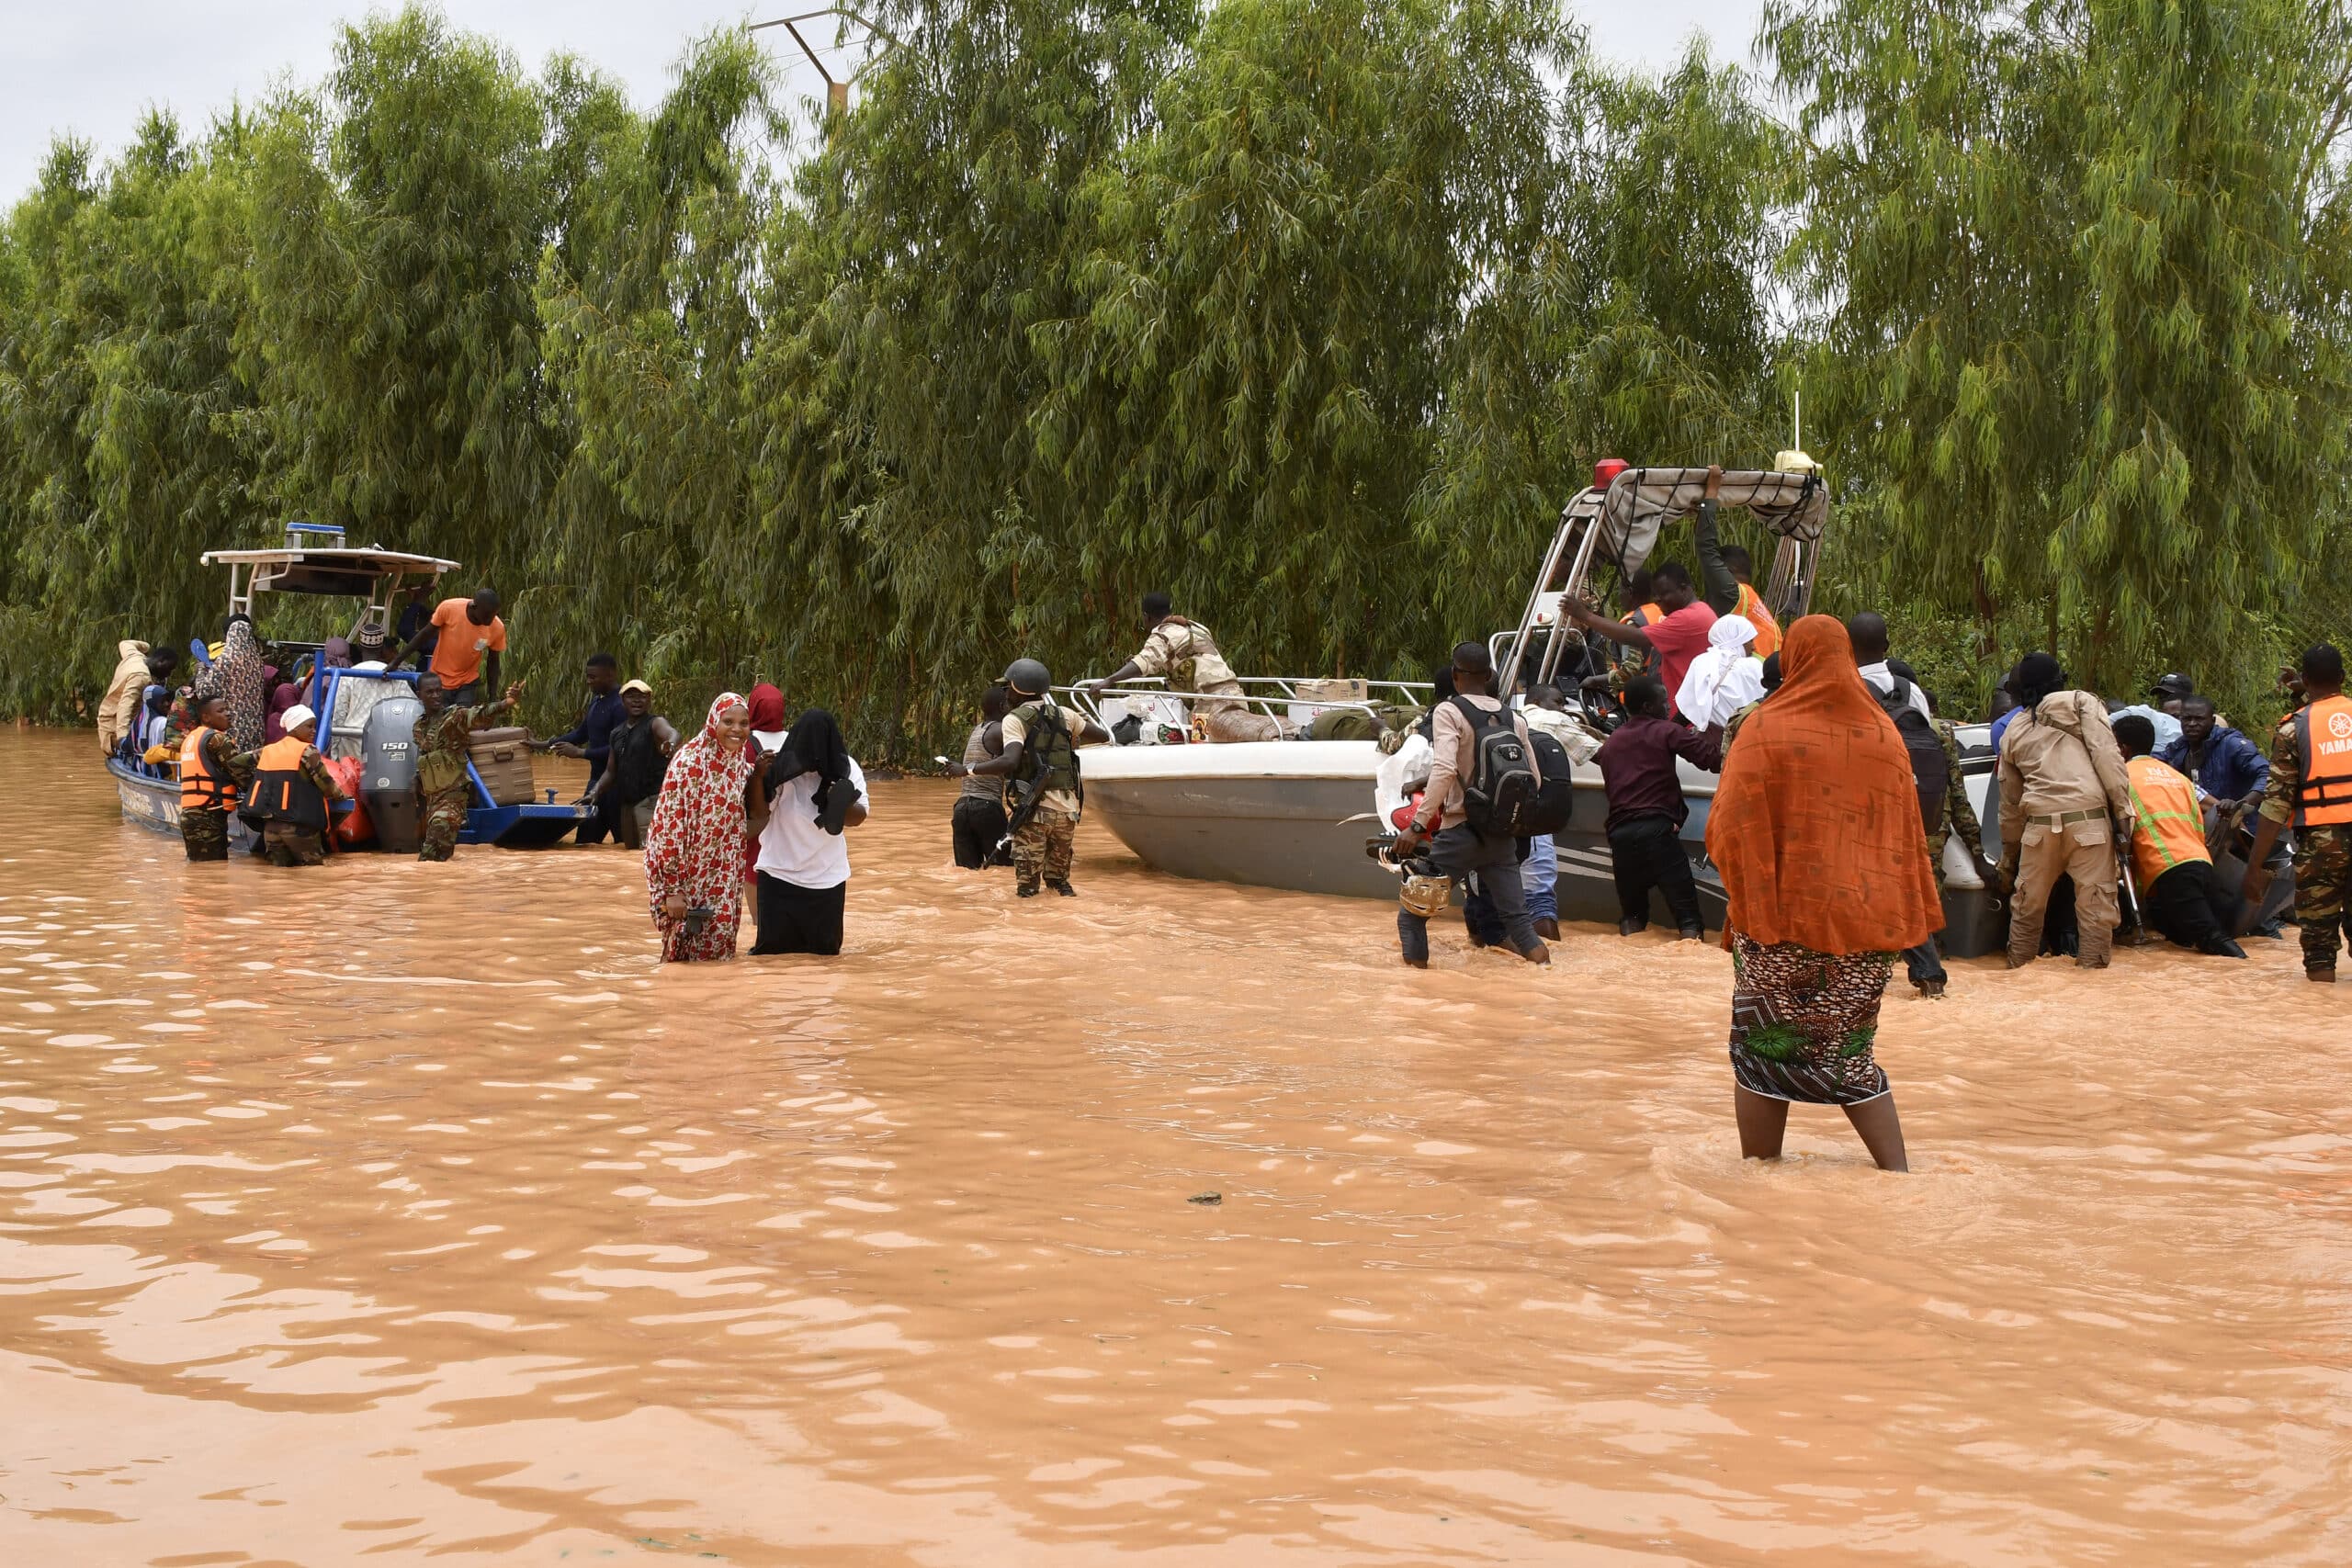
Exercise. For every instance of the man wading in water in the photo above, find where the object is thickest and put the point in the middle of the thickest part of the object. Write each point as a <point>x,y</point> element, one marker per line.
<point>1041,743</point>
<point>442,739</point>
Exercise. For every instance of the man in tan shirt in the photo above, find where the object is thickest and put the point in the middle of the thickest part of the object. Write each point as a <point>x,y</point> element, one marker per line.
<point>1184,652</point>
<point>1456,850</point>
<point>2066,802</point>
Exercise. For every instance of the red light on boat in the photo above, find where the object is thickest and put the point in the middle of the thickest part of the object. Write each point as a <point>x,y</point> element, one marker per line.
<point>1607,469</point>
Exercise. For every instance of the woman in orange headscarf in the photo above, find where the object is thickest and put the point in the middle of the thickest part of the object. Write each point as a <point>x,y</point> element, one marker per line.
<point>1815,831</point>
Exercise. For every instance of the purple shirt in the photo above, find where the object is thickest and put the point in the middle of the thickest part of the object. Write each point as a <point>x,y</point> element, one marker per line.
<point>1637,765</point>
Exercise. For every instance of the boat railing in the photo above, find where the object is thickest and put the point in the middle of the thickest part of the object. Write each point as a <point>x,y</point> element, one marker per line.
<point>1279,697</point>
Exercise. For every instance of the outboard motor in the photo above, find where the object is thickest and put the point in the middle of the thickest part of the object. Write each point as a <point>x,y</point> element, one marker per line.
<point>388,776</point>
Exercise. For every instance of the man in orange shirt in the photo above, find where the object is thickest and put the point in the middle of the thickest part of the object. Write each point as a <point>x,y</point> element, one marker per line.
<point>2178,893</point>
<point>471,636</point>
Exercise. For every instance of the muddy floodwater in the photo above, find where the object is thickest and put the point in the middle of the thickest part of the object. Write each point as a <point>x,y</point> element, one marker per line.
<point>389,1213</point>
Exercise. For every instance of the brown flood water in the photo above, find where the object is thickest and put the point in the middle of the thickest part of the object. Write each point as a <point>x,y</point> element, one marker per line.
<point>386,1211</point>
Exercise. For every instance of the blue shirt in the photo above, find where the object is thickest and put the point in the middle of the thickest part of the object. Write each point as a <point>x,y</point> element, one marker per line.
<point>2001,725</point>
<point>2234,767</point>
<point>593,733</point>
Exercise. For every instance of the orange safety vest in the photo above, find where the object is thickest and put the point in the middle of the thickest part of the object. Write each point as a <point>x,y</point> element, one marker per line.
<point>2169,827</point>
<point>201,790</point>
<point>282,791</point>
<point>2324,742</point>
<point>1767,630</point>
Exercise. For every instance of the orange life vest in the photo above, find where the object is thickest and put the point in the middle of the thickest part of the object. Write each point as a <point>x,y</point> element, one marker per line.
<point>200,788</point>
<point>2324,742</point>
<point>1648,616</point>
<point>282,791</point>
<point>1767,630</point>
<point>2168,827</point>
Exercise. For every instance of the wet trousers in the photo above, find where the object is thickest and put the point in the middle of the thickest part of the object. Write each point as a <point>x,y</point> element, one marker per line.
<point>2187,905</point>
<point>1540,875</point>
<point>2085,851</point>
<point>2322,871</point>
<point>1458,852</point>
<point>799,920</point>
<point>444,818</point>
<point>287,845</point>
<point>1042,850</point>
<point>1647,853</point>
<point>1925,962</point>
<point>978,825</point>
<point>204,834</point>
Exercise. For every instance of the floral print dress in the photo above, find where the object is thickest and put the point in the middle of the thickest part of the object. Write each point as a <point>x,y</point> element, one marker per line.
<point>693,847</point>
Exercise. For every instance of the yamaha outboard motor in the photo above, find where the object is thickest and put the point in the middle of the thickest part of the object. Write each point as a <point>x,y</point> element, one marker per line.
<point>388,777</point>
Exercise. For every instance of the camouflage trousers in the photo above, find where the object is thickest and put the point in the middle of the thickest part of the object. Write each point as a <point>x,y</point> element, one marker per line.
<point>1042,849</point>
<point>205,833</point>
<point>444,819</point>
<point>287,845</point>
<point>2323,868</point>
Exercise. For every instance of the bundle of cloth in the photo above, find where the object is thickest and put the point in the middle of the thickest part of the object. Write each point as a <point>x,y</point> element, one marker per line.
<point>1724,679</point>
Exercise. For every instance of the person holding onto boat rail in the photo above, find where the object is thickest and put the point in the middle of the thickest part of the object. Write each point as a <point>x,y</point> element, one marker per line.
<point>212,774</point>
<point>1440,824</point>
<point>1184,652</point>
<point>1040,755</point>
<point>1646,810</point>
<point>442,740</point>
<point>119,709</point>
<point>291,792</point>
<point>469,635</point>
<point>2065,800</point>
<point>1816,828</point>
<point>1749,606</point>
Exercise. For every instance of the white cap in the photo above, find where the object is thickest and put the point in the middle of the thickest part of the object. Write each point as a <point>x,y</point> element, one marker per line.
<point>295,717</point>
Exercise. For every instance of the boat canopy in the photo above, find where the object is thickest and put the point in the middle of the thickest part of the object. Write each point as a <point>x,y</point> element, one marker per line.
<point>1641,501</point>
<point>332,569</point>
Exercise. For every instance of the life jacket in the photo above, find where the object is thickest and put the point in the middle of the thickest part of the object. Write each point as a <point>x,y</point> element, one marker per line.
<point>1645,658</point>
<point>283,792</point>
<point>2324,742</point>
<point>202,789</point>
<point>1767,630</point>
<point>1931,765</point>
<point>1048,757</point>
<point>2168,829</point>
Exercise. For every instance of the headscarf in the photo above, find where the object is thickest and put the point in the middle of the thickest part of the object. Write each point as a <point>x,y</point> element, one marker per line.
<point>694,847</point>
<point>767,709</point>
<point>814,746</point>
<point>1723,679</point>
<point>239,675</point>
<point>1816,824</point>
<point>287,695</point>
<point>335,653</point>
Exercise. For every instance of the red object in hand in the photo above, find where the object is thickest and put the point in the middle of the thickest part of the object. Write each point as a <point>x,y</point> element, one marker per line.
<point>1402,818</point>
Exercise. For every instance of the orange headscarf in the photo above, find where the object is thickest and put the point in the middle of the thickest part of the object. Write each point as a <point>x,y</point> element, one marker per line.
<point>1815,825</point>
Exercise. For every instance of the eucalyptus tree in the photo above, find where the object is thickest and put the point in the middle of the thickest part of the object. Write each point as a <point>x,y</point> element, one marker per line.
<point>397,218</point>
<point>2078,275</point>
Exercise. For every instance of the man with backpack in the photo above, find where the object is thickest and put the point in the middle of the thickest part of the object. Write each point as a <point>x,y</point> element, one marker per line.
<point>1487,792</point>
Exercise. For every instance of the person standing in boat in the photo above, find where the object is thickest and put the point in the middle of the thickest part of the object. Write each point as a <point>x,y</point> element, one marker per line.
<point>1041,743</point>
<point>471,639</point>
<point>1182,650</point>
<point>211,775</point>
<point>291,792</point>
<point>118,710</point>
<point>443,736</point>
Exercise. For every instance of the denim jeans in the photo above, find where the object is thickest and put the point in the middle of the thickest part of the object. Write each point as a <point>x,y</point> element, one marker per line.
<point>1457,853</point>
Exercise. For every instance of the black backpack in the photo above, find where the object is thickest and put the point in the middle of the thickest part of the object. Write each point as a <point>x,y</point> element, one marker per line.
<point>1930,768</point>
<point>1501,798</point>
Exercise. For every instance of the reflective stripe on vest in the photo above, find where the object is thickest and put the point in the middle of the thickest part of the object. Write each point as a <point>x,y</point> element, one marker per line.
<point>2324,744</point>
<point>282,791</point>
<point>2169,828</point>
<point>1767,630</point>
<point>201,790</point>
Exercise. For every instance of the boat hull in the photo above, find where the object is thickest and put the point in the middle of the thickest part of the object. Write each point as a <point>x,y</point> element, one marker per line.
<point>1273,814</point>
<point>154,804</point>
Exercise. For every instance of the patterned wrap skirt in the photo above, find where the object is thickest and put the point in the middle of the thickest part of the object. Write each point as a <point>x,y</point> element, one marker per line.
<point>1803,1025</point>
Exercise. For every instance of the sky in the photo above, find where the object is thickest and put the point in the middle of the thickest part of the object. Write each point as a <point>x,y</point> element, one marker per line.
<point>93,70</point>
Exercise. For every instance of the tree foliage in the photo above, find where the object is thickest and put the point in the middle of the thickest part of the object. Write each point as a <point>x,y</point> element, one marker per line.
<point>1312,313</point>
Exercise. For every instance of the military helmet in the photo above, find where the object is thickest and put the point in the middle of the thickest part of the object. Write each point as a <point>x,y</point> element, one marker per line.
<point>1029,677</point>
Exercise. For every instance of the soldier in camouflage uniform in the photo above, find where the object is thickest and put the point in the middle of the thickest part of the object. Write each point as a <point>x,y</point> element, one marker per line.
<point>2301,787</point>
<point>442,739</point>
<point>285,841</point>
<point>204,830</point>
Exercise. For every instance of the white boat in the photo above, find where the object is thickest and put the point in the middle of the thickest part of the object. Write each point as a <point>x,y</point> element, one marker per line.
<point>1293,814</point>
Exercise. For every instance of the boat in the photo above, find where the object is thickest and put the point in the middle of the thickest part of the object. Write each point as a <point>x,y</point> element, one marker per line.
<point>315,561</point>
<point>1297,814</point>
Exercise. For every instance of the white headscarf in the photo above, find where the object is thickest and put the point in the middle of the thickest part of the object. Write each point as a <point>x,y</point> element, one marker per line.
<point>1723,679</point>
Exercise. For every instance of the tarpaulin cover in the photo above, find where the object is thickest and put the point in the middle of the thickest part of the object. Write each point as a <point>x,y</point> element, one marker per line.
<point>1641,501</point>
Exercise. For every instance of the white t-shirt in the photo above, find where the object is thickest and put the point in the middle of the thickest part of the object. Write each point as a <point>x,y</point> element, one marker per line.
<point>1879,675</point>
<point>793,848</point>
